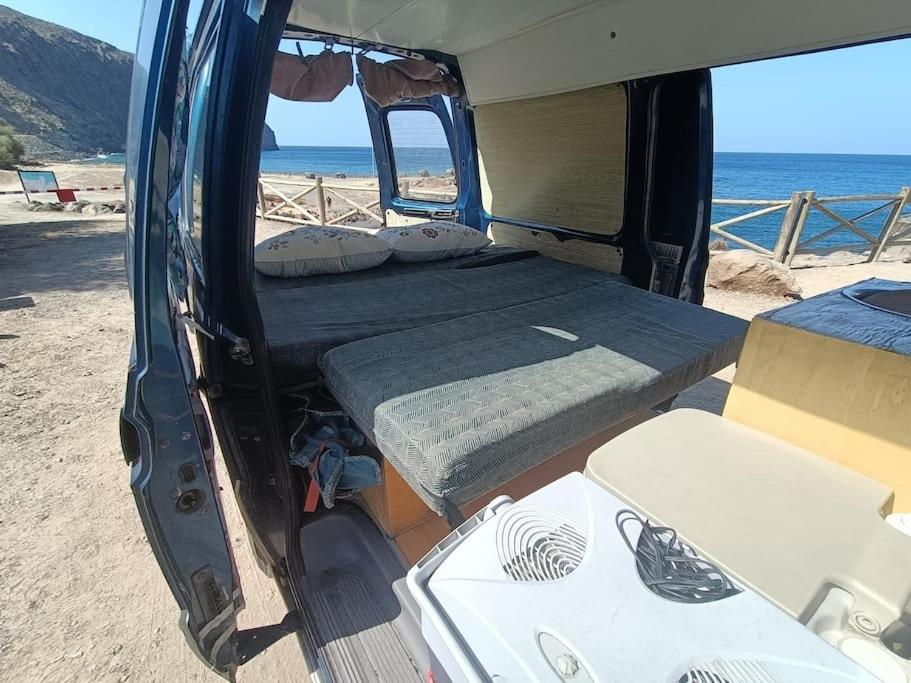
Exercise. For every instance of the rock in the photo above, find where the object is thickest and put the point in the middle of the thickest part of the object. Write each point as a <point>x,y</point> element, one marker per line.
<point>76,206</point>
<point>718,244</point>
<point>742,270</point>
<point>310,176</point>
<point>269,144</point>
<point>119,207</point>
<point>424,173</point>
<point>340,175</point>
<point>96,209</point>
<point>49,206</point>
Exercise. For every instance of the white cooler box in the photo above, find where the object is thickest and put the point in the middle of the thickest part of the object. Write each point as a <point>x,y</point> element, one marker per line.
<point>546,589</point>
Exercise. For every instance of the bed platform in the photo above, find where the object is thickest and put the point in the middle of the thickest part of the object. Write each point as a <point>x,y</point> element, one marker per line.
<point>465,378</point>
<point>462,406</point>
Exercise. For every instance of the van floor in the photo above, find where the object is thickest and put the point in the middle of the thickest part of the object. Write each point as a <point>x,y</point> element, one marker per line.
<point>365,625</point>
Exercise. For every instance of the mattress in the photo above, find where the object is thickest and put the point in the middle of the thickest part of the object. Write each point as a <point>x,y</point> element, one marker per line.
<point>305,322</point>
<point>463,406</point>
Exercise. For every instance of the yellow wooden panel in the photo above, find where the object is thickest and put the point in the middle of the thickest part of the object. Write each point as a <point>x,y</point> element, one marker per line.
<point>581,252</point>
<point>417,540</point>
<point>394,505</point>
<point>558,160</point>
<point>844,401</point>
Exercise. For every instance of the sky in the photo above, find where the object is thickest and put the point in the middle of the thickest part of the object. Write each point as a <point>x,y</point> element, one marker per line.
<point>850,101</point>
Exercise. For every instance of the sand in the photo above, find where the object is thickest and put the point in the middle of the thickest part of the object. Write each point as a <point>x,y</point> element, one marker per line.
<point>82,596</point>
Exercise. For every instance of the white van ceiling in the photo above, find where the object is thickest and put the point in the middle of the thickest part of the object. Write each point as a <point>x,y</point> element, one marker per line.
<point>510,49</point>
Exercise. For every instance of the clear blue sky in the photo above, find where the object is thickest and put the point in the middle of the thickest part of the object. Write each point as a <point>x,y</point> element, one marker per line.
<point>855,100</point>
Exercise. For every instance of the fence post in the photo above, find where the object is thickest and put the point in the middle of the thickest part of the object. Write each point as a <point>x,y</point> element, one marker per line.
<point>321,200</point>
<point>891,223</point>
<point>809,198</point>
<point>262,198</point>
<point>788,226</point>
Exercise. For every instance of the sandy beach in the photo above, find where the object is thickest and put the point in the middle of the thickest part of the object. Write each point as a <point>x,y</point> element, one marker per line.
<point>84,598</point>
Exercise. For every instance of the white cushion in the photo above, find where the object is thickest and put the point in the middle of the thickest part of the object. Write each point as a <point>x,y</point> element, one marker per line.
<point>319,249</point>
<point>433,241</point>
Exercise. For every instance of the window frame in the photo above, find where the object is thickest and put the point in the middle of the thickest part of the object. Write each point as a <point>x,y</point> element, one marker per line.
<point>450,135</point>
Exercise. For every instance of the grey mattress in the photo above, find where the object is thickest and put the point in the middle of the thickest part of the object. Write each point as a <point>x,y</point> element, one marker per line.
<point>305,322</point>
<point>462,406</point>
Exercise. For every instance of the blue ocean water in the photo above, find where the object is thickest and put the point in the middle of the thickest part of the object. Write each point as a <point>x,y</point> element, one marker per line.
<point>736,176</point>
<point>353,161</point>
<point>775,176</point>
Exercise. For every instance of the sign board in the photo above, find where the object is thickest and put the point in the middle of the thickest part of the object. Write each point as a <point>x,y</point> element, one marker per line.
<point>37,181</point>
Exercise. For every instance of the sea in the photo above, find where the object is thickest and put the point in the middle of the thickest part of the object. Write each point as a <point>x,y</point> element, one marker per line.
<point>737,175</point>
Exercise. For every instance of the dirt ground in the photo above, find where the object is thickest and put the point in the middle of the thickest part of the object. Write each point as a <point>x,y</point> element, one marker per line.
<point>82,597</point>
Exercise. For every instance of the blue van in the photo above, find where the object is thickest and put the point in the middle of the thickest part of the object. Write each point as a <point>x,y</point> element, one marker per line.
<point>368,398</point>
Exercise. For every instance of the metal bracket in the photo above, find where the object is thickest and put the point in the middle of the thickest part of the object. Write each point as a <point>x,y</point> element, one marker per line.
<point>240,347</point>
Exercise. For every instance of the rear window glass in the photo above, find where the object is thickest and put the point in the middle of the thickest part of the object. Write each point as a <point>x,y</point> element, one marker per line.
<point>424,167</point>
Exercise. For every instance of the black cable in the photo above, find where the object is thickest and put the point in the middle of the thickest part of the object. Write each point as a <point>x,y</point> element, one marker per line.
<point>670,568</point>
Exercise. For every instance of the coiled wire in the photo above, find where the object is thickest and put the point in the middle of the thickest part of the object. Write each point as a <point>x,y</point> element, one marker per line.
<point>669,567</point>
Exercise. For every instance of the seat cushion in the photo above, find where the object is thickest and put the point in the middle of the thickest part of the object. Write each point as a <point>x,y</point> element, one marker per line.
<point>465,405</point>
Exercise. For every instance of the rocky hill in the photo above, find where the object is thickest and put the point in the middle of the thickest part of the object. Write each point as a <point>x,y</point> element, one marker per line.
<point>269,144</point>
<point>64,94</point>
<point>64,90</point>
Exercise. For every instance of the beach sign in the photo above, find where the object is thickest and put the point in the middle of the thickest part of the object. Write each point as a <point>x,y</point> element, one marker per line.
<point>44,181</point>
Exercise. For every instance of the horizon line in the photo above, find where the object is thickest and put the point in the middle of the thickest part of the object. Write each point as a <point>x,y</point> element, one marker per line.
<point>717,151</point>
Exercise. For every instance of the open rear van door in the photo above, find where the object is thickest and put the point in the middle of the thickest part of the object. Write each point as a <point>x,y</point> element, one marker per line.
<point>425,160</point>
<point>164,429</point>
<point>165,432</point>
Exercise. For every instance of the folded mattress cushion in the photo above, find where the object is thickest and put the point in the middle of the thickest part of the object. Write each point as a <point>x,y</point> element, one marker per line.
<point>463,406</point>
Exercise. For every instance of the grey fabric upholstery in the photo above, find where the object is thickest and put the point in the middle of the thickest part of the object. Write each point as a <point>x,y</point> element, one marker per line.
<point>305,322</point>
<point>462,406</point>
<point>867,312</point>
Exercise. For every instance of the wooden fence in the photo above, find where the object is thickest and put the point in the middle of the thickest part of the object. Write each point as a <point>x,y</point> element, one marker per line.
<point>893,231</point>
<point>282,199</point>
<point>285,200</point>
<point>289,200</point>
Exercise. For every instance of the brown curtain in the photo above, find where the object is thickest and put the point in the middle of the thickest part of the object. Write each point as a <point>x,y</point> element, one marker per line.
<point>404,79</point>
<point>314,78</point>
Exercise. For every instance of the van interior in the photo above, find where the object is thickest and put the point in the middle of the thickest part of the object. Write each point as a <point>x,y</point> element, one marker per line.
<point>366,414</point>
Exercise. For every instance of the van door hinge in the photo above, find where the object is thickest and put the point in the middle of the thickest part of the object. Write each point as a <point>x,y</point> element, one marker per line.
<point>240,347</point>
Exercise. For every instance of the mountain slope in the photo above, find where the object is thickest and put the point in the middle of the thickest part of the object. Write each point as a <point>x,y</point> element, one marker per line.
<point>62,89</point>
<point>65,94</point>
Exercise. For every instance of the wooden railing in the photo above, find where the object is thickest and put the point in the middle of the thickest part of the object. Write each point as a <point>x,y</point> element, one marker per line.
<point>284,200</point>
<point>281,199</point>
<point>276,204</point>
<point>893,231</point>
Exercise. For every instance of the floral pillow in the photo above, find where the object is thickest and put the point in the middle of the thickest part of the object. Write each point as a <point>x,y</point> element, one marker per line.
<point>319,249</point>
<point>433,241</point>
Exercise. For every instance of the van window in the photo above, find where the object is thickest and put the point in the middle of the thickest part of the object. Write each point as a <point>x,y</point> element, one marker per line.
<point>558,160</point>
<point>191,213</point>
<point>423,162</point>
